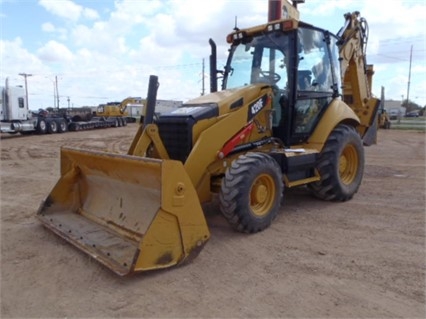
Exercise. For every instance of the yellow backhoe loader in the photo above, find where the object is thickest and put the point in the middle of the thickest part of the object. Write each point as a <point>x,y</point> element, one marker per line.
<point>295,109</point>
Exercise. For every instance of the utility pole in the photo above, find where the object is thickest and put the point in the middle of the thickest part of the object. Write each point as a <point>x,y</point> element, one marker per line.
<point>25,75</point>
<point>409,79</point>
<point>202,79</point>
<point>57,92</point>
<point>54,95</point>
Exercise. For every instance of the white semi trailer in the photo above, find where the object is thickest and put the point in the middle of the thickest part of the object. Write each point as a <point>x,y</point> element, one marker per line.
<point>16,117</point>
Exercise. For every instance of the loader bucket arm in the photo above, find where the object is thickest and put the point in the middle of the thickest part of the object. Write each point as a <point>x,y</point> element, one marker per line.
<point>128,212</point>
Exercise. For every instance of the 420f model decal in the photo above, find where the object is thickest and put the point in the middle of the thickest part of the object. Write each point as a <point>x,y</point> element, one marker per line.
<point>257,106</point>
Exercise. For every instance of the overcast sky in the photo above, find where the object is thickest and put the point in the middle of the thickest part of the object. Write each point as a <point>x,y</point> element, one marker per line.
<point>102,51</point>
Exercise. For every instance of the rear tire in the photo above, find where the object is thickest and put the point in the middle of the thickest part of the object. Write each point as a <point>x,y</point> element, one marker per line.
<point>41,126</point>
<point>251,192</point>
<point>341,165</point>
<point>52,127</point>
<point>62,126</point>
<point>388,125</point>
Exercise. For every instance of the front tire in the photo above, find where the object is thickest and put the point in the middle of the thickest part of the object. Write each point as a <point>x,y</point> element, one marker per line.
<point>341,165</point>
<point>251,192</point>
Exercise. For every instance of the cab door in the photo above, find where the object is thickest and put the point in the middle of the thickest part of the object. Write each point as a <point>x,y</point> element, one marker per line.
<point>316,81</point>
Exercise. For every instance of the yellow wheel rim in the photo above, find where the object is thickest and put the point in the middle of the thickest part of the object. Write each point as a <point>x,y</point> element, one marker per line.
<point>262,195</point>
<point>348,164</point>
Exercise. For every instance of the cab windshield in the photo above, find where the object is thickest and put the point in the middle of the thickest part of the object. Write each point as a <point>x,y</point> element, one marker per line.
<point>265,58</point>
<point>261,59</point>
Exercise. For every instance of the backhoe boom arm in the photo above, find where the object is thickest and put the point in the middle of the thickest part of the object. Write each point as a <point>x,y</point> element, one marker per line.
<point>355,72</point>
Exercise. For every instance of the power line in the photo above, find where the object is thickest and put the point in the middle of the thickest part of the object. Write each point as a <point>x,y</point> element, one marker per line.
<point>387,56</point>
<point>403,39</point>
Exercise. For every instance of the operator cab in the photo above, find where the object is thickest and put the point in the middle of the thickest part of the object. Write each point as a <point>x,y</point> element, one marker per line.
<point>301,66</point>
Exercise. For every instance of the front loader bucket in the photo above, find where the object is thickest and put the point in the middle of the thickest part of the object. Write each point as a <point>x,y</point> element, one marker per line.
<point>130,213</point>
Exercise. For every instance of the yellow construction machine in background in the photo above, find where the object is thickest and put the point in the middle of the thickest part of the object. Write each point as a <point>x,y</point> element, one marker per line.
<point>119,110</point>
<point>295,109</point>
<point>383,118</point>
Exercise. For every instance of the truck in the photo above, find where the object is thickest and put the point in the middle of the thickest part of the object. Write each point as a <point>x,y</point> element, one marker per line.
<point>295,109</point>
<point>16,117</point>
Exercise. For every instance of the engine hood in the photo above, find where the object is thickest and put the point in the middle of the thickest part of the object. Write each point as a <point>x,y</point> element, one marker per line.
<point>228,100</point>
<point>180,128</point>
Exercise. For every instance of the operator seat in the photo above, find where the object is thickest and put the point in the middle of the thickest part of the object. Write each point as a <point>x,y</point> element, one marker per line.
<point>279,130</point>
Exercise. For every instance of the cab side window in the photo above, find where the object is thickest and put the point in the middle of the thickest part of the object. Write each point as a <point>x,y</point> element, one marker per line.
<point>307,113</point>
<point>21,102</point>
<point>314,71</point>
<point>314,81</point>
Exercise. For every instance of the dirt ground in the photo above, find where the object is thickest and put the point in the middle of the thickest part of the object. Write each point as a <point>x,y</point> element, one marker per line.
<point>360,259</point>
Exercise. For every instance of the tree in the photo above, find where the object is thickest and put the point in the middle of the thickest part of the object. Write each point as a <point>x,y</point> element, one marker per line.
<point>410,106</point>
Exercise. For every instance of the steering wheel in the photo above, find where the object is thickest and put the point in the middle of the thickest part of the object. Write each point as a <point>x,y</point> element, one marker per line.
<point>271,76</point>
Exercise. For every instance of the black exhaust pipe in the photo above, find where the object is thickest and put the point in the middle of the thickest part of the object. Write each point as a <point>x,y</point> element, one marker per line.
<point>213,67</point>
<point>151,100</point>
